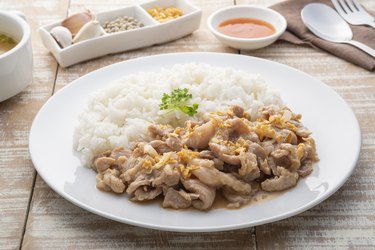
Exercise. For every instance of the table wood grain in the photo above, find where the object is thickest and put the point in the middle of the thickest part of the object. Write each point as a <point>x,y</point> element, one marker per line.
<point>33,216</point>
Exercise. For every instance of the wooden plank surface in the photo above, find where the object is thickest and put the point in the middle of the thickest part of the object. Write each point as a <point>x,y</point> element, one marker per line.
<point>344,221</point>
<point>50,225</point>
<point>17,174</point>
<point>347,219</point>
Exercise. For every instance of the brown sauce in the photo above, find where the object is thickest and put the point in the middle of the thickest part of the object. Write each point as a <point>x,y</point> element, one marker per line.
<point>260,197</point>
<point>263,196</point>
<point>246,28</point>
<point>219,203</point>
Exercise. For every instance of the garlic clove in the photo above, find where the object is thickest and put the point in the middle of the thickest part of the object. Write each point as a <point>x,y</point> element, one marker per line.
<point>62,36</point>
<point>75,22</point>
<point>90,30</point>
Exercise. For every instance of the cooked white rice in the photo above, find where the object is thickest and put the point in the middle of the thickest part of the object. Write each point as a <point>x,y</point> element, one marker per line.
<point>119,114</point>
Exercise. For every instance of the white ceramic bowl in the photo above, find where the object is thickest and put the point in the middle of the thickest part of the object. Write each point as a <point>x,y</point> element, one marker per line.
<point>16,65</point>
<point>247,11</point>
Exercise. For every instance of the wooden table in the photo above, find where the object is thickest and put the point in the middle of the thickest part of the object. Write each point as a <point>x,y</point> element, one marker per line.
<point>32,216</point>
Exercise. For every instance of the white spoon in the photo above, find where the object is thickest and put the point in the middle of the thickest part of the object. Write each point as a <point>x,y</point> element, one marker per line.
<point>326,23</point>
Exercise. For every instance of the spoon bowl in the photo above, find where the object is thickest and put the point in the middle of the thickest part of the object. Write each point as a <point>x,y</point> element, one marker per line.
<point>329,25</point>
<point>326,23</point>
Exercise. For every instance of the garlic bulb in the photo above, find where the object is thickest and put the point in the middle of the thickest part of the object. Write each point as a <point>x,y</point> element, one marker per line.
<point>62,36</point>
<point>91,29</point>
<point>75,22</point>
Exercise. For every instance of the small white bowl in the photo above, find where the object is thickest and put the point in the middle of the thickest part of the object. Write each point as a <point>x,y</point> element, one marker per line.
<point>247,11</point>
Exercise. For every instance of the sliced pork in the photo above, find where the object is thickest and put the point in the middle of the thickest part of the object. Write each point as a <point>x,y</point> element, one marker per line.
<point>206,194</point>
<point>201,135</point>
<point>178,199</point>
<point>284,180</point>
<point>225,152</point>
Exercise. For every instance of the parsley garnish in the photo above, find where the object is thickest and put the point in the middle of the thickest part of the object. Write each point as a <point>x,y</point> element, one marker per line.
<point>177,100</point>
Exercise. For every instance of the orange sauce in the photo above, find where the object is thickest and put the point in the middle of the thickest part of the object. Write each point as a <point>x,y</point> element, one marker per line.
<point>246,28</point>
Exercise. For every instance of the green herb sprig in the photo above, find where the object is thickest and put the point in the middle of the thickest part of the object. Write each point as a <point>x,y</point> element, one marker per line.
<point>177,100</point>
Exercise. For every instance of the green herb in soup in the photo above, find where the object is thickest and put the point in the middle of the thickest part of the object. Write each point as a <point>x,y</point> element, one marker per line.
<point>6,43</point>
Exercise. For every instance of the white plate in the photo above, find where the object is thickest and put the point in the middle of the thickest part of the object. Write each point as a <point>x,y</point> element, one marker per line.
<point>325,113</point>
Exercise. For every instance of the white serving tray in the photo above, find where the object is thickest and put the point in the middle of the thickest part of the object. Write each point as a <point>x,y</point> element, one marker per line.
<point>152,33</point>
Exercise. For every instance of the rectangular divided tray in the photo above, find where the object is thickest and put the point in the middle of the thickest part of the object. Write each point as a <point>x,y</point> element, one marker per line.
<point>152,33</point>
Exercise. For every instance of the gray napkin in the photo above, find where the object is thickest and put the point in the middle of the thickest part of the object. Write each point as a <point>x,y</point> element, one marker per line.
<point>297,33</point>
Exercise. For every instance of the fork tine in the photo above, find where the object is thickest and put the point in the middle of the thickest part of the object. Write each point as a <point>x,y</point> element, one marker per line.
<point>338,8</point>
<point>357,5</point>
<point>353,12</point>
<point>351,6</point>
<point>345,7</point>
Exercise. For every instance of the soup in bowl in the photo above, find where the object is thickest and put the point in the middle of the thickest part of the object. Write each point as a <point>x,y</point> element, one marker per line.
<point>6,43</point>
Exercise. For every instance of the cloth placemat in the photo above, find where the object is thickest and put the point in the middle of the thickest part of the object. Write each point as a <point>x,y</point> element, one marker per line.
<point>297,33</point>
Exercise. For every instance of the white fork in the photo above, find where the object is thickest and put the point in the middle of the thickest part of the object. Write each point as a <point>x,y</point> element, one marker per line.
<point>353,12</point>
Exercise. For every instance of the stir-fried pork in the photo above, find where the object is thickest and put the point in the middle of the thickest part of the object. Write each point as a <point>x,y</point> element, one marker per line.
<point>178,199</point>
<point>227,153</point>
<point>236,199</point>
<point>146,193</point>
<point>109,181</point>
<point>201,135</point>
<point>284,180</point>
<point>205,193</point>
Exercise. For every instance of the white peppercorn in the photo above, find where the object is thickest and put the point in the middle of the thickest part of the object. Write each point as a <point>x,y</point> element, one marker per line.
<point>122,24</point>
